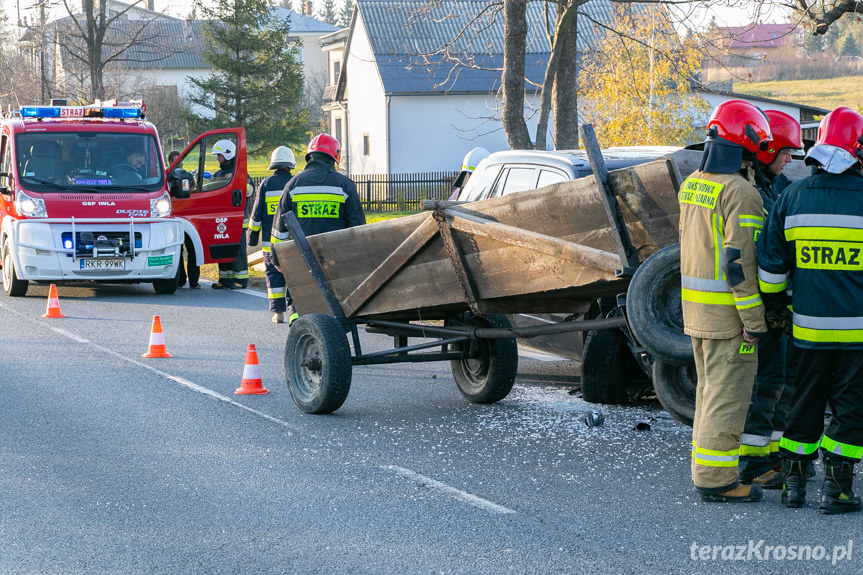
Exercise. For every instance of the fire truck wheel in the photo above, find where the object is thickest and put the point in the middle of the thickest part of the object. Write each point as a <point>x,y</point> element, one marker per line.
<point>11,284</point>
<point>166,286</point>
<point>489,374</point>
<point>675,389</point>
<point>654,309</point>
<point>318,363</point>
<point>609,371</point>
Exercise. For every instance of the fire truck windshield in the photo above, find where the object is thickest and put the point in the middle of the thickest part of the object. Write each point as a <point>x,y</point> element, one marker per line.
<point>69,161</point>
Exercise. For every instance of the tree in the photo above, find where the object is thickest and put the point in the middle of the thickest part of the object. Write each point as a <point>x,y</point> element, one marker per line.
<point>636,89</point>
<point>328,12</point>
<point>258,76</point>
<point>95,41</point>
<point>346,14</point>
<point>287,5</point>
<point>821,15</point>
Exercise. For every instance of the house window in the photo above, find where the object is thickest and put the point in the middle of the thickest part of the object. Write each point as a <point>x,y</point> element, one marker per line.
<point>365,144</point>
<point>338,129</point>
<point>337,68</point>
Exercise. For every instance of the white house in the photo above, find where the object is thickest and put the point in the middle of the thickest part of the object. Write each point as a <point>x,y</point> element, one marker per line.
<point>167,50</point>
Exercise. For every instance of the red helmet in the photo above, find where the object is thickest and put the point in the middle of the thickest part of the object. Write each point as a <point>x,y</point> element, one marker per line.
<point>786,134</point>
<point>326,144</point>
<point>840,141</point>
<point>740,123</point>
<point>843,128</point>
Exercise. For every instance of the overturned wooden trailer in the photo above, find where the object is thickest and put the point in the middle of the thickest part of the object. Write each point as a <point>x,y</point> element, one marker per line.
<point>445,278</point>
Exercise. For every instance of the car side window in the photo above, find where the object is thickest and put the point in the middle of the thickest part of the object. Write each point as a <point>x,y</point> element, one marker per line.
<point>516,180</point>
<point>480,183</point>
<point>549,177</point>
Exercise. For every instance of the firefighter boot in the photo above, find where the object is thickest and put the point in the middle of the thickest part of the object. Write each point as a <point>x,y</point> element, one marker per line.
<point>740,494</point>
<point>279,317</point>
<point>794,484</point>
<point>836,494</point>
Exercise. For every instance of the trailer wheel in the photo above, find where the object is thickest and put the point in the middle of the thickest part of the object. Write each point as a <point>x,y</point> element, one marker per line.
<point>609,372</point>
<point>318,363</point>
<point>675,389</point>
<point>489,375</point>
<point>11,284</point>
<point>654,309</point>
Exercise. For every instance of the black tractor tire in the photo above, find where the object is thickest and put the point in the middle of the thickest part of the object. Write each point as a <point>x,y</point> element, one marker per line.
<point>489,375</point>
<point>318,363</point>
<point>609,372</point>
<point>11,284</point>
<point>675,388</point>
<point>654,308</point>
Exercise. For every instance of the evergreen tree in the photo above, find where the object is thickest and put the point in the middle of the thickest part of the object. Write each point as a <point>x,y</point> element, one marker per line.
<point>346,14</point>
<point>328,12</point>
<point>258,76</point>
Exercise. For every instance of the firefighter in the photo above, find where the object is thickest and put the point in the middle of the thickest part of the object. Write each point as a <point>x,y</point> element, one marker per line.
<point>235,274</point>
<point>720,214</point>
<point>322,199</point>
<point>814,239</point>
<point>269,192</point>
<point>468,165</point>
<point>766,418</point>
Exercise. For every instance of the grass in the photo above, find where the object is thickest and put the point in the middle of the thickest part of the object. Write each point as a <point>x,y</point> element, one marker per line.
<point>257,166</point>
<point>826,93</point>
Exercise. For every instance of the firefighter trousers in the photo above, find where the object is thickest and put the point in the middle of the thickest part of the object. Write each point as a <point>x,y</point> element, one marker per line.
<point>276,290</point>
<point>826,376</point>
<point>760,426</point>
<point>236,273</point>
<point>726,373</point>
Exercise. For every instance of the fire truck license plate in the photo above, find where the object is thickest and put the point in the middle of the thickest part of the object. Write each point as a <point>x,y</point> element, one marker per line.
<point>103,264</point>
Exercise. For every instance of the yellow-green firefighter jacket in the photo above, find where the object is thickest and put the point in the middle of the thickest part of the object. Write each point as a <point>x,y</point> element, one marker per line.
<point>720,219</point>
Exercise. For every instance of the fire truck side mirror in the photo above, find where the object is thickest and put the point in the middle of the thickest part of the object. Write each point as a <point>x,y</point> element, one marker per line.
<point>180,183</point>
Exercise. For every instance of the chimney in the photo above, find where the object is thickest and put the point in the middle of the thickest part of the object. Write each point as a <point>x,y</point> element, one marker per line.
<point>151,5</point>
<point>307,7</point>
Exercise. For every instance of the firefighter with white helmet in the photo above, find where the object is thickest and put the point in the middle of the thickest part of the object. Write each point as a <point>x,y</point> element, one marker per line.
<point>235,274</point>
<point>468,165</point>
<point>267,199</point>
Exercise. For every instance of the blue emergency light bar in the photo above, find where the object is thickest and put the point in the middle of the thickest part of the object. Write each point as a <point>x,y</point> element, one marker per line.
<point>81,112</point>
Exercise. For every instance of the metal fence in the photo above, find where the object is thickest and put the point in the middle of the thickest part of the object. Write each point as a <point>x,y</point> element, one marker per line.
<point>399,192</point>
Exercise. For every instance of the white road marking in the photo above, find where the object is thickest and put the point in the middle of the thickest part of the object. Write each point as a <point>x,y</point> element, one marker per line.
<point>184,382</point>
<point>448,490</point>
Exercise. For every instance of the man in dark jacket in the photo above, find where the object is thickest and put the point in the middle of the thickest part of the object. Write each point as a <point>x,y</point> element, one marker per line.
<point>814,238</point>
<point>322,199</point>
<point>235,274</point>
<point>269,193</point>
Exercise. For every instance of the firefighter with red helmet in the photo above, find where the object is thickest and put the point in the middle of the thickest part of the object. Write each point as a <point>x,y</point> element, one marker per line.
<point>269,192</point>
<point>322,199</point>
<point>814,238</point>
<point>720,215</point>
<point>759,444</point>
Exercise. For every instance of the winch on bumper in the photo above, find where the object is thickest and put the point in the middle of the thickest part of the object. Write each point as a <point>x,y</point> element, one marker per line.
<point>96,249</point>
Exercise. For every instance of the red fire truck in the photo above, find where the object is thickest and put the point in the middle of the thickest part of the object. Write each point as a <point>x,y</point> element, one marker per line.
<point>84,197</point>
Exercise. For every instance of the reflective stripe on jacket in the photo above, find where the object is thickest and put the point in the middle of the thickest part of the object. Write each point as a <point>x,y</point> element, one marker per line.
<point>720,219</point>
<point>814,238</point>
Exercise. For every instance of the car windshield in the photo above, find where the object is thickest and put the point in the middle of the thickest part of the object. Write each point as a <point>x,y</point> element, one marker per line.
<point>66,161</point>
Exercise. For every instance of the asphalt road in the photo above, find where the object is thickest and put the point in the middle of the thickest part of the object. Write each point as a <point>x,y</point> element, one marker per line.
<point>112,463</point>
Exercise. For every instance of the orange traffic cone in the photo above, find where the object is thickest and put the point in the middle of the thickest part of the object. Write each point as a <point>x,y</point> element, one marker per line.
<point>157,341</point>
<point>252,384</point>
<point>53,304</point>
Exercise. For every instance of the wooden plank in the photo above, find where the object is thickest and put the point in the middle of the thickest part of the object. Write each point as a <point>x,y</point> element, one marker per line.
<point>390,266</point>
<point>458,265</point>
<point>463,221</point>
<point>628,256</point>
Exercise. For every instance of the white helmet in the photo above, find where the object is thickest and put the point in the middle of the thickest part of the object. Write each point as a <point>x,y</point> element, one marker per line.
<point>282,157</point>
<point>473,158</point>
<point>225,147</point>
